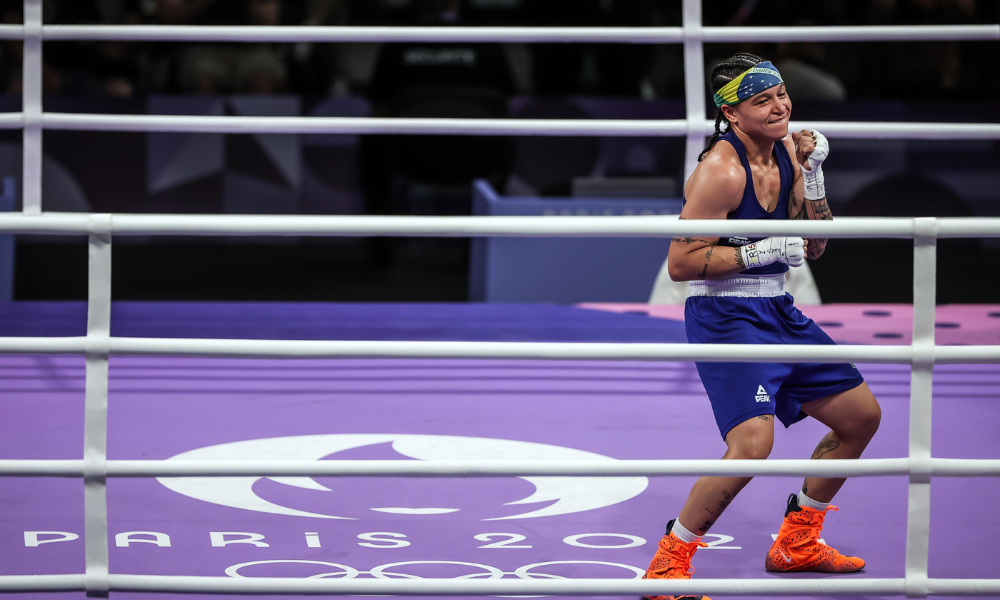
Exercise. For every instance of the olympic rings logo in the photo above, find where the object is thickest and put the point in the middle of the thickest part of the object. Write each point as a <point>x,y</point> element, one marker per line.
<point>389,571</point>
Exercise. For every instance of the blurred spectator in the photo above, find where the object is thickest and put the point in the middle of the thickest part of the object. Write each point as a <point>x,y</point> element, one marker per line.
<point>922,70</point>
<point>12,51</point>
<point>420,80</point>
<point>560,69</point>
<point>220,68</point>
<point>806,67</point>
<point>623,69</point>
<point>805,78</point>
<point>100,67</point>
<point>820,72</point>
<point>401,67</point>
<point>315,68</point>
<point>109,68</point>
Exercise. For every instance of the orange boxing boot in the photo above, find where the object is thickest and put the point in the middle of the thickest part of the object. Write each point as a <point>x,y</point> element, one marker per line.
<point>798,548</point>
<point>673,561</point>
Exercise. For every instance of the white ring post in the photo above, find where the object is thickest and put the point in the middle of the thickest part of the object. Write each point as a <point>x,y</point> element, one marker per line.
<point>95,429</point>
<point>694,86</point>
<point>918,521</point>
<point>31,98</point>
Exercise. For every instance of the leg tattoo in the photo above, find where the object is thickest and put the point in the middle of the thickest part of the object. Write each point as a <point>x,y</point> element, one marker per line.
<point>828,444</point>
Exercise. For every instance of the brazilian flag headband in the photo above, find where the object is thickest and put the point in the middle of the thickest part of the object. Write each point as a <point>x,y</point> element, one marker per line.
<point>754,80</point>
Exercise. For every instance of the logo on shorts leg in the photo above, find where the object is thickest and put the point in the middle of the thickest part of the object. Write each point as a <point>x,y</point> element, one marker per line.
<point>762,394</point>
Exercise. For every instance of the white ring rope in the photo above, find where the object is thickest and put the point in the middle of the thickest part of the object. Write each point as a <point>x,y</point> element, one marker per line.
<point>922,354</point>
<point>486,127</point>
<point>483,226</point>
<point>868,467</point>
<point>239,348</point>
<point>501,587</point>
<point>536,127</point>
<point>589,35</point>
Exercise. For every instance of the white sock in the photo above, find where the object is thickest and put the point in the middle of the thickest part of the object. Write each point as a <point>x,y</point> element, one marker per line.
<point>683,534</point>
<point>807,501</point>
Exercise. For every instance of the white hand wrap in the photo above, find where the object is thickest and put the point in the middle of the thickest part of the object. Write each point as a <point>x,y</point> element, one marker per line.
<point>813,178</point>
<point>789,250</point>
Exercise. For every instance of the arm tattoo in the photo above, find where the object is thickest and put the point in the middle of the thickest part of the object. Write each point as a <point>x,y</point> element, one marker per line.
<point>739,259</point>
<point>828,444</point>
<point>708,258</point>
<point>691,240</point>
<point>794,212</point>
<point>708,255</point>
<point>822,209</point>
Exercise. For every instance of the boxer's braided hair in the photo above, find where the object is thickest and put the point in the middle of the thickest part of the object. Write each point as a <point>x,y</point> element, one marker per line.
<point>722,74</point>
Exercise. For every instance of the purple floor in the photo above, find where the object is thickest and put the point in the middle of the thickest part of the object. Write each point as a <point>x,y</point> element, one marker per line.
<point>439,409</point>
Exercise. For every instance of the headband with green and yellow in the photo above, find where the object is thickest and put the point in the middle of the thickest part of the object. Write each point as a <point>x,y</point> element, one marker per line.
<point>754,80</point>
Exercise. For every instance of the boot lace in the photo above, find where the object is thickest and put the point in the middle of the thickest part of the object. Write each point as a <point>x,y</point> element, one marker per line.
<point>812,522</point>
<point>680,567</point>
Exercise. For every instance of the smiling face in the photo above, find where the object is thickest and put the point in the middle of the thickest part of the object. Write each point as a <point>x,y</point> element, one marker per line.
<point>764,115</point>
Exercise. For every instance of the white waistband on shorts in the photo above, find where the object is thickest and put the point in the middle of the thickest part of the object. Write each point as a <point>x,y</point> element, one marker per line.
<point>752,286</point>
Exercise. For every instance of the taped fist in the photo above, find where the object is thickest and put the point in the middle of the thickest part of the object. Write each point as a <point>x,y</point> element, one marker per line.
<point>811,148</point>
<point>789,250</point>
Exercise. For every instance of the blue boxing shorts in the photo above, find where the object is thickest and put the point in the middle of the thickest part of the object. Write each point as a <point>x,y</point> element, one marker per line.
<point>741,391</point>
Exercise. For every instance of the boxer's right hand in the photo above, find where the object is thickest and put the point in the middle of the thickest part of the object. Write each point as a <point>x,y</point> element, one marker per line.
<point>789,250</point>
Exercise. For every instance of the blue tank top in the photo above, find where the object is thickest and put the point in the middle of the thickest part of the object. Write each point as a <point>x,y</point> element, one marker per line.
<point>750,207</point>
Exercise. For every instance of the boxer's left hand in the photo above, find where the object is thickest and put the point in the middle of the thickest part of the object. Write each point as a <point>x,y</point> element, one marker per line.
<point>811,148</point>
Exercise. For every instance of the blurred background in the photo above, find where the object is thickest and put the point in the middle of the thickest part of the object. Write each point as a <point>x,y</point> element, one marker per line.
<point>407,175</point>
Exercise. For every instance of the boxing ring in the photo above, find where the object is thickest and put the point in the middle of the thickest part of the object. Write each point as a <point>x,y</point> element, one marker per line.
<point>57,356</point>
